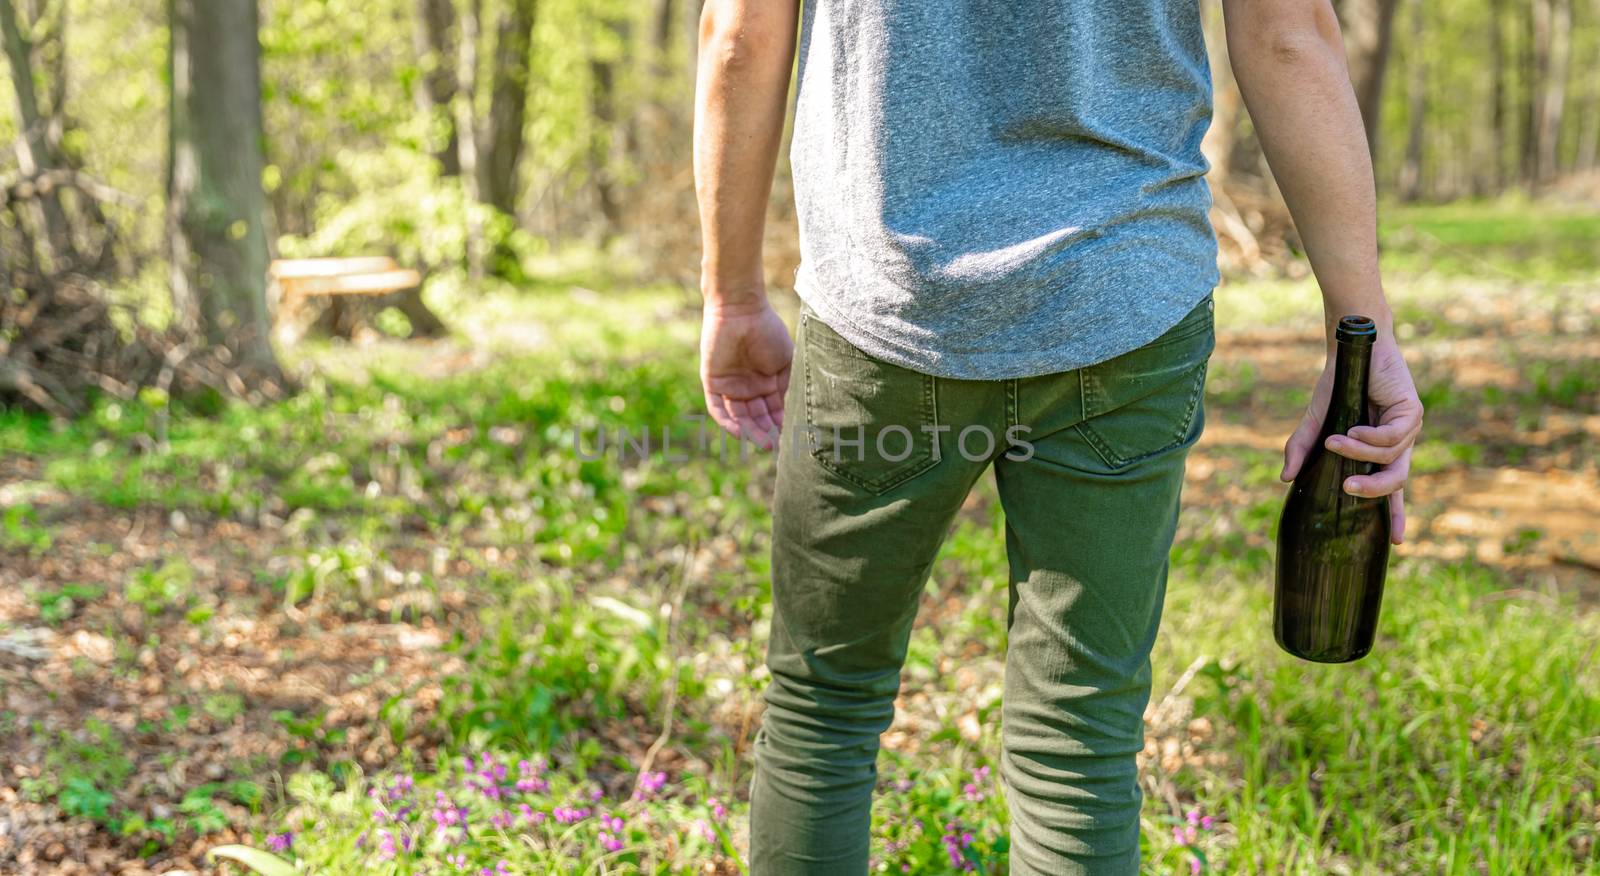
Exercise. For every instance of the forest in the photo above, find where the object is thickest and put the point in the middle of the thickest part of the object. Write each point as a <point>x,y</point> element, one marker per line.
<point>302,582</point>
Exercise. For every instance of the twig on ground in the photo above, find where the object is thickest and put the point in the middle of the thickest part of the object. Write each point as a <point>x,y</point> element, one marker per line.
<point>669,708</point>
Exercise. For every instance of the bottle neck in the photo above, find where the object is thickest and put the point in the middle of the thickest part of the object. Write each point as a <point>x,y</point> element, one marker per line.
<point>1348,406</point>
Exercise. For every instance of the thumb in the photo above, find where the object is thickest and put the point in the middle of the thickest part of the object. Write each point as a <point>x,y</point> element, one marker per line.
<point>1300,444</point>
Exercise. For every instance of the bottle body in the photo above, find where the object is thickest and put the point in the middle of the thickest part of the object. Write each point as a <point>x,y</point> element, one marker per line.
<point>1333,548</point>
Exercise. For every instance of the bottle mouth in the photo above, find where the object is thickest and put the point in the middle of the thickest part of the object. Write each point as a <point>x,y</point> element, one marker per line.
<point>1356,330</point>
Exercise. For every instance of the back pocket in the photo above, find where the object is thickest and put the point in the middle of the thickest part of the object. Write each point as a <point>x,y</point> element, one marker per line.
<point>1146,401</point>
<point>869,422</point>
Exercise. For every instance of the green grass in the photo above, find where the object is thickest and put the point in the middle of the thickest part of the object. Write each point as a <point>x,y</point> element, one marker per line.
<point>1466,743</point>
<point>1510,237</point>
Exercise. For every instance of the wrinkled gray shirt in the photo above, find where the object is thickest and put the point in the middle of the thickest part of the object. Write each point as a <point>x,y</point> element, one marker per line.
<point>1002,188</point>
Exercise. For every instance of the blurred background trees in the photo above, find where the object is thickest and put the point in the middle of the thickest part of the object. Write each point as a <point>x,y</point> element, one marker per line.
<point>464,137</point>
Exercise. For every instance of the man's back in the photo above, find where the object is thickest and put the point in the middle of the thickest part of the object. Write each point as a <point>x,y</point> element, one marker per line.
<point>998,188</point>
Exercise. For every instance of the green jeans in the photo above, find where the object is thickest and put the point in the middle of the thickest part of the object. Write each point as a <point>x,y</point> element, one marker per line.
<point>874,464</point>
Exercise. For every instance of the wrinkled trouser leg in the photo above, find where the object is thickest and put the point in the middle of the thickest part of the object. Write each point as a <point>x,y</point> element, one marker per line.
<point>1090,518</point>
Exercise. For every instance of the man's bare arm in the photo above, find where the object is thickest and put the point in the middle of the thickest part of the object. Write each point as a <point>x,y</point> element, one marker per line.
<point>741,96</point>
<point>1288,58</point>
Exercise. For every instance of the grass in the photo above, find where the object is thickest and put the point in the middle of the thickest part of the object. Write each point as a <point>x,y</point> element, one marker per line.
<point>1509,237</point>
<point>583,601</point>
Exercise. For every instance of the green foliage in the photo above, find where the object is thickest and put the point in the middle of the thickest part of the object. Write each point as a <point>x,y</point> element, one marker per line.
<point>1474,715</point>
<point>20,530</point>
<point>398,204</point>
<point>82,770</point>
<point>57,606</point>
<point>259,862</point>
<point>1470,777</point>
<point>164,587</point>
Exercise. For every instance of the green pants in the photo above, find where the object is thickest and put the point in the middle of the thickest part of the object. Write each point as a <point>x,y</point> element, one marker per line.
<point>876,460</point>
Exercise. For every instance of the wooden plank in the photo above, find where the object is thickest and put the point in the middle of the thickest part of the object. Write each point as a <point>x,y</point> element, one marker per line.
<point>293,269</point>
<point>378,283</point>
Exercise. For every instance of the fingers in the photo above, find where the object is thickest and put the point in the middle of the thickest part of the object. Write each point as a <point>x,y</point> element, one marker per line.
<point>756,416</point>
<point>1299,446</point>
<point>1399,423</point>
<point>752,419</point>
<point>1384,443</point>
<point>1352,449</point>
<point>1382,482</point>
<point>1397,517</point>
<point>775,408</point>
<point>716,406</point>
<point>1389,434</point>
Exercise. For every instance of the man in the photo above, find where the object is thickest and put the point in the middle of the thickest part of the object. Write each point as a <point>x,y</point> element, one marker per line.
<point>1003,224</point>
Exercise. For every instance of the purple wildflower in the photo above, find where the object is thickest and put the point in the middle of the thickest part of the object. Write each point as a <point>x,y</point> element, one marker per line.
<point>955,841</point>
<point>392,844</point>
<point>974,789</point>
<point>529,780</point>
<point>570,815</point>
<point>650,784</point>
<point>280,842</point>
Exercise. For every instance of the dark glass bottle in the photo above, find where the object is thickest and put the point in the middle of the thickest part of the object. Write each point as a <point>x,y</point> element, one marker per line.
<point>1333,548</point>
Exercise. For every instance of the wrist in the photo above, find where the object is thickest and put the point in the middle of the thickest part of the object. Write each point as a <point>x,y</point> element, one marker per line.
<point>734,300</point>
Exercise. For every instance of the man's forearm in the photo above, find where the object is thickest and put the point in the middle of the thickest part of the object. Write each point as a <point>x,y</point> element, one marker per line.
<point>1289,62</point>
<point>741,95</point>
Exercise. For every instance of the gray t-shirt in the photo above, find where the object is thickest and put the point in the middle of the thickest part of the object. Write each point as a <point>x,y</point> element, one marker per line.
<point>1002,188</point>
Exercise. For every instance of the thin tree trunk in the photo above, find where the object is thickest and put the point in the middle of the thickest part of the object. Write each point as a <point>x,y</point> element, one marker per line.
<point>666,10</point>
<point>1497,84</point>
<point>467,134</point>
<point>216,207</point>
<point>1368,26</point>
<point>1589,128</point>
<point>1552,108</point>
<point>34,155</point>
<point>1535,61</point>
<point>53,46</point>
<point>508,105</point>
<point>1416,106</point>
<point>1223,135</point>
<point>435,45</point>
<point>603,108</point>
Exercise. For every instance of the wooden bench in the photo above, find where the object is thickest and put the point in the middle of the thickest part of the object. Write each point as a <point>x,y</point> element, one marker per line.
<point>297,281</point>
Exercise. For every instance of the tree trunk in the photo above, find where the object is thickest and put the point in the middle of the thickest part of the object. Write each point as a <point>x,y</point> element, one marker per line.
<point>1589,128</point>
<point>1368,26</point>
<point>1497,84</point>
<point>1223,135</point>
<point>34,156</point>
<point>603,109</point>
<point>1557,50</point>
<point>1416,106</point>
<point>501,149</point>
<point>216,207</point>
<point>435,45</point>
<point>467,134</point>
<point>665,11</point>
<point>1535,60</point>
